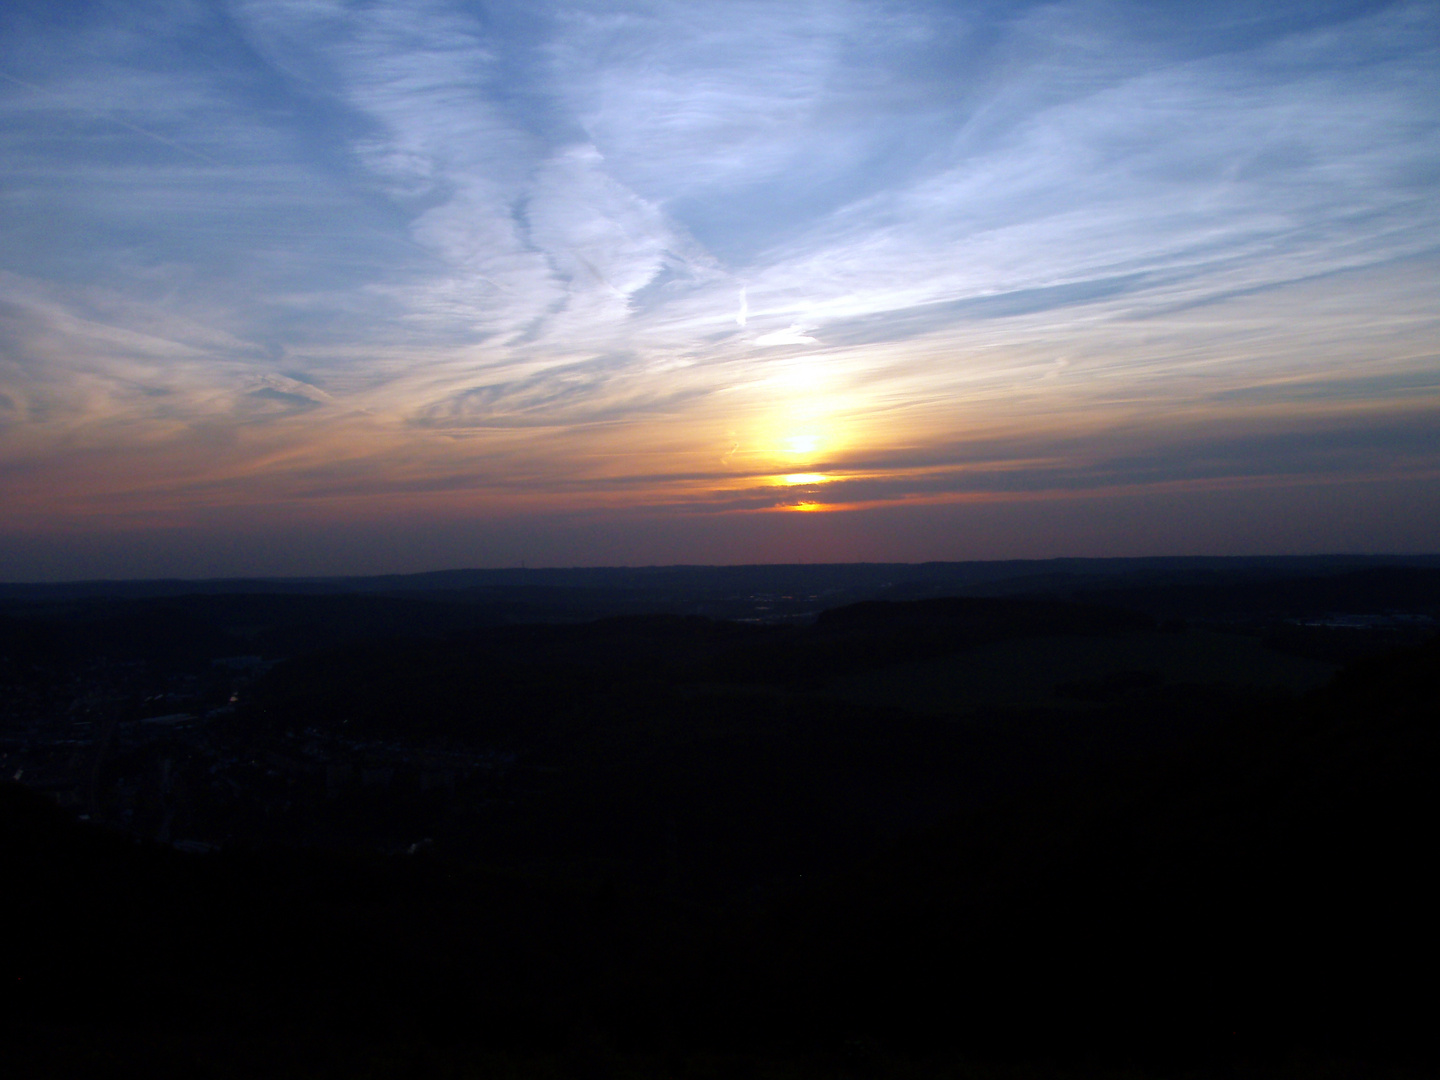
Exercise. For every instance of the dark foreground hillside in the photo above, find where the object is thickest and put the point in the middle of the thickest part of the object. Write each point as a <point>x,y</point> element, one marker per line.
<point>702,849</point>
<point>1269,888</point>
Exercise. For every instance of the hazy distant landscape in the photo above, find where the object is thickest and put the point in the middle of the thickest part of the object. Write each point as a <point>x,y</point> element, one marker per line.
<point>578,813</point>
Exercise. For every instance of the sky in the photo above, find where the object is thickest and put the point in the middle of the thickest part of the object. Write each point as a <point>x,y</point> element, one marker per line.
<point>308,286</point>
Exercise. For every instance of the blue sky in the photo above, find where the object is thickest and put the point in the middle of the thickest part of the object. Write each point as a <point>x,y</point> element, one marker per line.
<point>631,282</point>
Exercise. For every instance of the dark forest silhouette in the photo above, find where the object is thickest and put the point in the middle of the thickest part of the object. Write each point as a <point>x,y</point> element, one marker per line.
<point>660,844</point>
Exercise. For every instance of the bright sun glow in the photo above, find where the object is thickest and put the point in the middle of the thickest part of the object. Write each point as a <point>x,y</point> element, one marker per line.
<point>804,478</point>
<point>802,444</point>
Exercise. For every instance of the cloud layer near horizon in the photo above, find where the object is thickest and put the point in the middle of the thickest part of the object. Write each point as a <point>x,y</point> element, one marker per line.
<point>332,262</point>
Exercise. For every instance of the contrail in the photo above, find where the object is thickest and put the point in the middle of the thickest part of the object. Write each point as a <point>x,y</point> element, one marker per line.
<point>744,312</point>
<point>122,123</point>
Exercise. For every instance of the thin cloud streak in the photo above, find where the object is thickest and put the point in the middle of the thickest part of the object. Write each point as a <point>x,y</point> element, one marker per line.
<point>459,252</point>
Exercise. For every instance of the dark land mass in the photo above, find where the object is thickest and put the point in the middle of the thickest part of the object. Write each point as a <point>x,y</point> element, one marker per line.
<point>759,592</point>
<point>1080,818</point>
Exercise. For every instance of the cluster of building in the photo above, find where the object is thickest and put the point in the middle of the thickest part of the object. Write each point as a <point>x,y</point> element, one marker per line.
<point>173,757</point>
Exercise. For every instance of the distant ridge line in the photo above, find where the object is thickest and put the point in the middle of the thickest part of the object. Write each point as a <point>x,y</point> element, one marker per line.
<point>814,575</point>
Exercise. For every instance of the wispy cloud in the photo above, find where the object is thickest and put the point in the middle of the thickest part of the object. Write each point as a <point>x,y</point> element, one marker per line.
<point>615,240</point>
